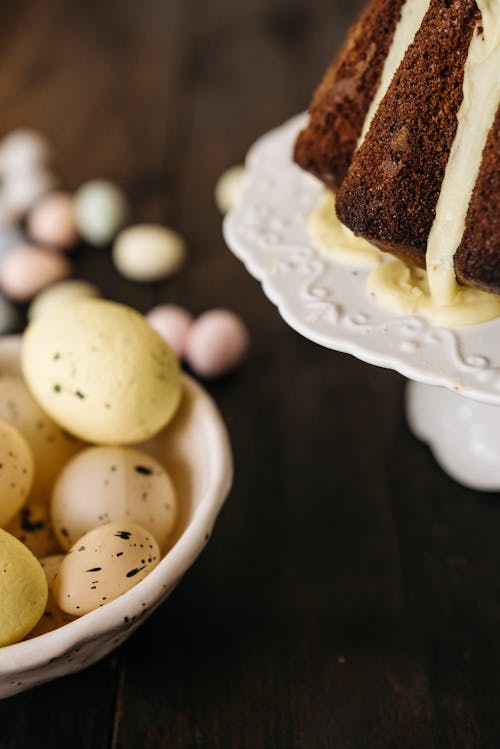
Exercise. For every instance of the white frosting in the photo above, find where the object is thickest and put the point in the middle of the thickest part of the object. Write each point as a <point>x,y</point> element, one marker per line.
<point>412,15</point>
<point>475,118</point>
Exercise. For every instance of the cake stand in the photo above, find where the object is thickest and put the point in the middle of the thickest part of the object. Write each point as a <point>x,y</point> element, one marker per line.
<point>453,395</point>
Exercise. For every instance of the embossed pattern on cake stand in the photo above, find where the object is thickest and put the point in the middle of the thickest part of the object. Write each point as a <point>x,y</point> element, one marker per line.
<point>328,304</point>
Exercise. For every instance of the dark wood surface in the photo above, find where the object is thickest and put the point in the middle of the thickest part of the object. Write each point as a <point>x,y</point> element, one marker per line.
<point>349,596</point>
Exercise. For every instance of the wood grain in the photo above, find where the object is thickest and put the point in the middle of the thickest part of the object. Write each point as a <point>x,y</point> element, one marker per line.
<point>349,597</point>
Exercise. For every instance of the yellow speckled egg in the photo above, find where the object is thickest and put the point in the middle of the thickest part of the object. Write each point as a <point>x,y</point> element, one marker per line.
<point>101,372</point>
<point>103,564</point>
<point>23,590</point>
<point>52,617</point>
<point>33,528</point>
<point>16,472</point>
<point>51,446</point>
<point>102,484</point>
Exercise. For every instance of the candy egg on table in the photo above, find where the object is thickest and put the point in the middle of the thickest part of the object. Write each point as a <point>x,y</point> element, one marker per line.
<point>16,472</point>
<point>101,209</point>
<point>52,221</point>
<point>148,252</point>
<point>51,447</point>
<point>217,342</point>
<point>102,484</point>
<point>228,188</point>
<point>105,563</point>
<point>23,590</point>
<point>21,190</point>
<point>63,292</point>
<point>172,323</point>
<point>28,269</point>
<point>52,617</point>
<point>101,372</point>
<point>32,526</point>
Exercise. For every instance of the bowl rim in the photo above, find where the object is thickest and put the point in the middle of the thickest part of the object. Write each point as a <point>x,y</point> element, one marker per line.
<point>30,654</point>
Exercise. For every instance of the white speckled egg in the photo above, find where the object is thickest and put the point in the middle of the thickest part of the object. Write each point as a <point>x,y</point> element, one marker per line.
<point>21,190</point>
<point>217,342</point>
<point>23,590</point>
<point>102,484</point>
<point>50,446</point>
<point>173,324</point>
<point>103,564</point>
<point>64,292</point>
<point>23,149</point>
<point>148,252</point>
<point>16,472</point>
<point>101,372</point>
<point>33,528</point>
<point>228,188</point>
<point>52,617</point>
<point>52,221</point>
<point>27,270</point>
<point>101,210</point>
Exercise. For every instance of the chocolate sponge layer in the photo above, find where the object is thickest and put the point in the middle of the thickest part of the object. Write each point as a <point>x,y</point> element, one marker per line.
<point>340,104</point>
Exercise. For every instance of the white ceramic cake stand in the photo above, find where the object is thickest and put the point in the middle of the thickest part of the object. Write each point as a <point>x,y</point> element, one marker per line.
<point>453,398</point>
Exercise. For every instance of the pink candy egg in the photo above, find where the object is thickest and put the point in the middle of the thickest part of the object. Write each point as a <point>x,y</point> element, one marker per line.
<point>27,270</point>
<point>52,221</point>
<point>217,342</point>
<point>173,324</point>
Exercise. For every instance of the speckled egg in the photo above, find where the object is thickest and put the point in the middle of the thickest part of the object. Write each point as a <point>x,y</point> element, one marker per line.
<point>103,564</point>
<point>33,528</point>
<point>23,149</point>
<point>52,617</point>
<point>173,324</point>
<point>28,269</point>
<point>148,252</point>
<point>23,590</point>
<point>217,342</point>
<point>101,372</point>
<point>16,472</point>
<point>228,188</point>
<point>64,292</point>
<point>101,210</point>
<point>50,445</point>
<point>52,221</point>
<point>21,190</point>
<point>102,484</point>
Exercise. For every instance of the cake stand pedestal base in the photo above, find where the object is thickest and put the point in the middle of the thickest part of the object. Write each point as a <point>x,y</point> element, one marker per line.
<point>464,435</point>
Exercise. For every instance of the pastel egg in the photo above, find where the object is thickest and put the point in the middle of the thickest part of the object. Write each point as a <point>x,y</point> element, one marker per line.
<point>101,210</point>
<point>21,190</point>
<point>173,324</point>
<point>16,472</point>
<point>101,372</point>
<point>105,563</point>
<point>51,447</point>
<point>52,221</point>
<point>23,149</point>
<point>217,342</point>
<point>52,617</point>
<point>58,294</point>
<point>33,528</point>
<point>102,484</point>
<point>148,252</point>
<point>9,317</point>
<point>23,590</point>
<point>228,188</point>
<point>27,270</point>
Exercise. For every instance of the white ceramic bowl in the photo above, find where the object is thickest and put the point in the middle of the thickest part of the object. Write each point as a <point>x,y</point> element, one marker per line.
<point>195,450</point>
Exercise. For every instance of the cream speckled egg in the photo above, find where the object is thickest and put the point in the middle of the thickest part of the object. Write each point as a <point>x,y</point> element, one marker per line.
<point>101,210</point>
<point>228,188</point>
<point>52,221</point>
<point>173,324</point>
<point>23,590</point>
<point>28,269</point>
<point>102,484</point>
<point>103,564</point>
<point>16,472</point>
<point>101,372</point>
<point>33,528</point>
<point>52,617</point>
<point>64,292</point>
<point>50,445</point>
<point>148,252</point>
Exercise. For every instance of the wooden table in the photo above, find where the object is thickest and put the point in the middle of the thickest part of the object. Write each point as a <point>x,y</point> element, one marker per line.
<point>349,596</point>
